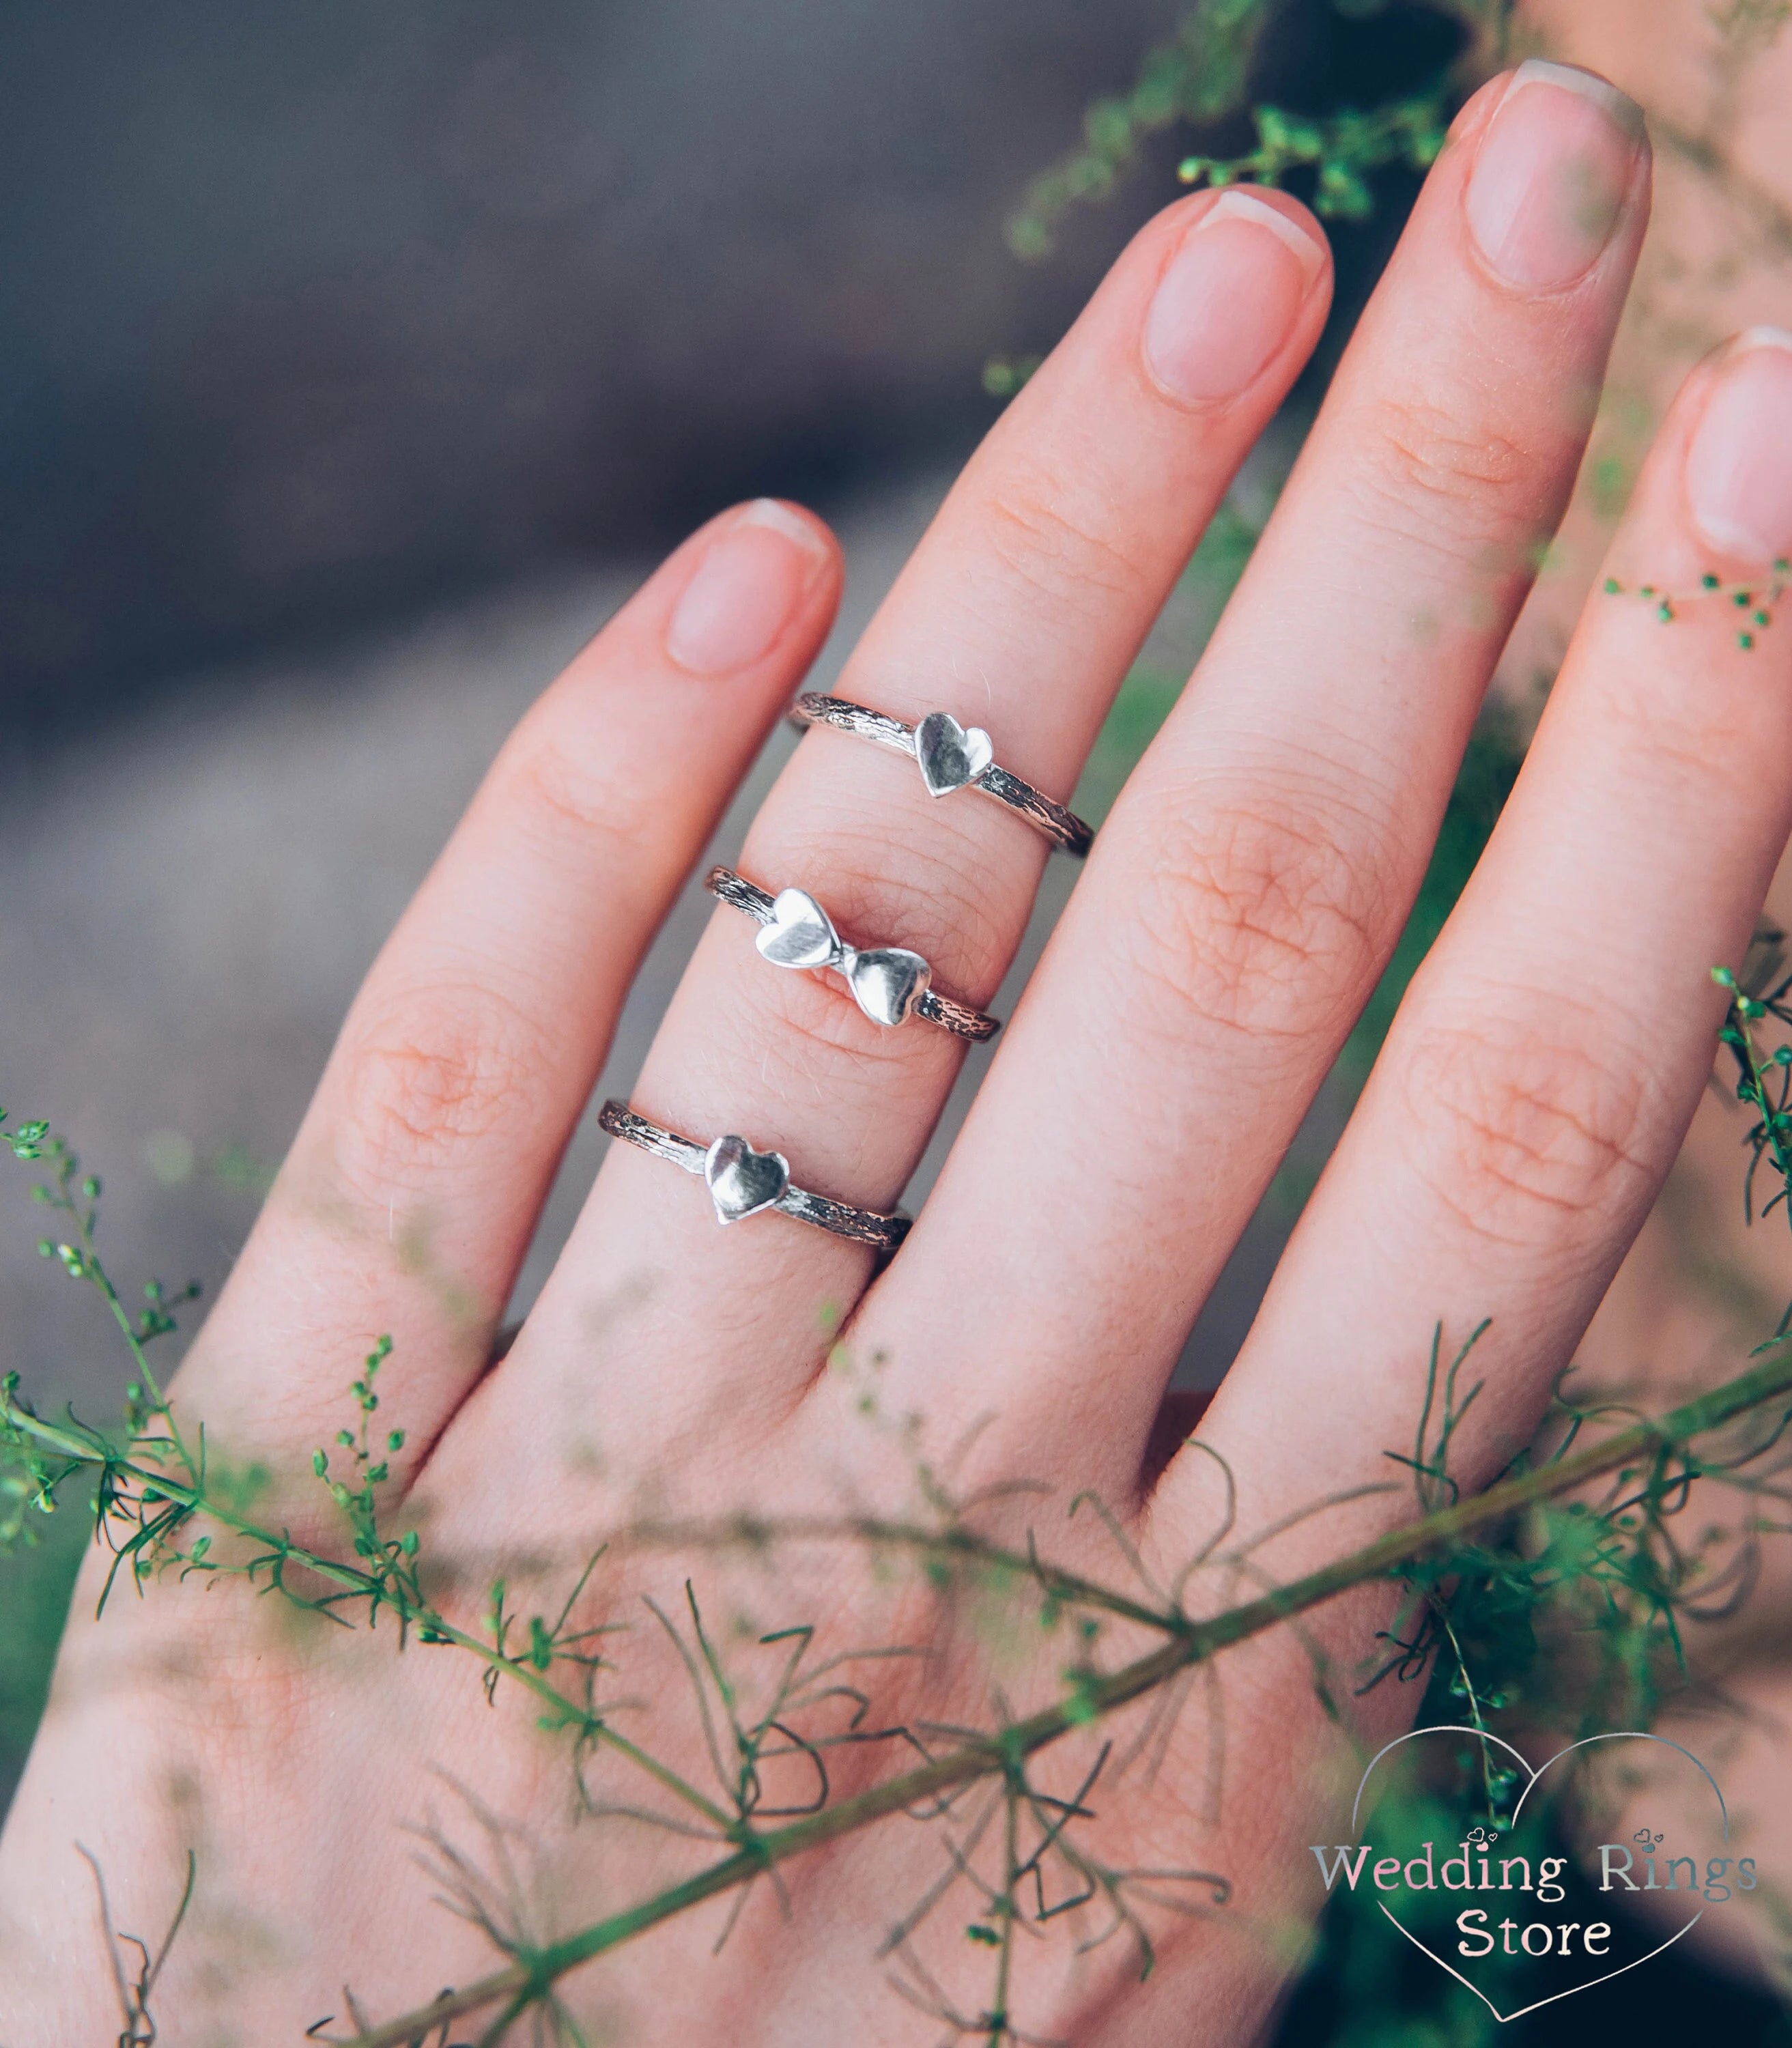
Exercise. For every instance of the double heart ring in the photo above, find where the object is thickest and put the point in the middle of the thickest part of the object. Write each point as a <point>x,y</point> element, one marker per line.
<point>950,758</point>
<point>890,983</point>
<point>743,1182</point>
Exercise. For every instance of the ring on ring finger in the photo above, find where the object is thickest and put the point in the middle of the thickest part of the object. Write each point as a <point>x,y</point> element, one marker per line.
<point>951,756</point>
<point>744,1182</point>
<point>889,983</point>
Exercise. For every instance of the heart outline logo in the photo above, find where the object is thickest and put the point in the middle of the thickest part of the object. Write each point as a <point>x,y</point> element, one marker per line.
<point>951,755</point>
<point>1533,1775</point>
<point>743,1182</point>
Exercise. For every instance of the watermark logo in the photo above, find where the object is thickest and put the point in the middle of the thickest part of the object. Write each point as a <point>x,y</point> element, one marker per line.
<point>1499,1906</point>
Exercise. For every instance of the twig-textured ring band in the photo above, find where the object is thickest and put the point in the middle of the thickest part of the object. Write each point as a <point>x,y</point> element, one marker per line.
<point>950,758</point>
<point>743,1182</point>
<point>890,983</point>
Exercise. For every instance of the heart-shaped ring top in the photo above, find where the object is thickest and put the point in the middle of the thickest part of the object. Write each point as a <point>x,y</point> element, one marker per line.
<point>950,757</point>
<point>801,933</point>
<point>740,1181</point>
<point>887,982</point>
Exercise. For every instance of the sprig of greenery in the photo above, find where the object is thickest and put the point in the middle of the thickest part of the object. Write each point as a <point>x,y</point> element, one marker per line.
<point>1343,151</point>
<point>1754,603</point>
<point>1202,75</point>
<point>1763,1080</point>
<point>1750,27</point>
<point>1575,1545</point>
<point>1663,1447</point>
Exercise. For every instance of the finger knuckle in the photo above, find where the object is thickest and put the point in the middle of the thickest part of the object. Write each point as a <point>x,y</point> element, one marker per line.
<point>425,1086</point>
<point>1270,921</point>
<point>818,1035</point>
<point>1525,1124</point>
<point>1055,542</point>
<point>1432,460</point>
<point>551,793</point>
<point>932,886</point>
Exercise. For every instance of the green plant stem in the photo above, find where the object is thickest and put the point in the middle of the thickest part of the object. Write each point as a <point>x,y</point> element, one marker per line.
<point>1776,1124</point>
<point>533,1973</point>
<point>362,1586</point>
<point>954,1545</point>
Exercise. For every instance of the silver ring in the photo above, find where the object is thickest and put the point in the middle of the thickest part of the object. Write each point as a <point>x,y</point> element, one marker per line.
<point>742,1182</point>
<point>950,758</point>
<point>890,983</point>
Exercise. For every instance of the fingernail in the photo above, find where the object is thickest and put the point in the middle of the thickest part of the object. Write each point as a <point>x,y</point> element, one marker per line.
<point>1226,303</point>
<point>1739,462</point>
<point>1552,175</point>
<point>745,590</point>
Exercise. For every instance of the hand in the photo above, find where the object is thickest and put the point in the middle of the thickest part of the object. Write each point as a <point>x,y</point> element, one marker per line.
<point>1234,917</point>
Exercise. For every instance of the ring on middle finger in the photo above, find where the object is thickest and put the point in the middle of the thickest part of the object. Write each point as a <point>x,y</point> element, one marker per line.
<point>889,983</point>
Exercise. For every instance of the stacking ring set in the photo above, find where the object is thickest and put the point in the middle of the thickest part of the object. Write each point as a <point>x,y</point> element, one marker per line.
<point>889,984</point>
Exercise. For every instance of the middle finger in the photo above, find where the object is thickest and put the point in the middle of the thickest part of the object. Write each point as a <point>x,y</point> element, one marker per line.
<point>1020,612</point>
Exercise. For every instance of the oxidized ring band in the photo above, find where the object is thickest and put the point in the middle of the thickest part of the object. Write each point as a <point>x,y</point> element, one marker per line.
<point>951,758</point>
<point>742,1182</point>
<point>890,983</point>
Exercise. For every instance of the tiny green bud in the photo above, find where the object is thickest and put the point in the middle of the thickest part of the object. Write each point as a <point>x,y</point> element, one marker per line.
<point>1613,588</point>
<point>1708,581</point>
<point>320,1462</point>
<point>396,1441</point>
<point>408,1543</point>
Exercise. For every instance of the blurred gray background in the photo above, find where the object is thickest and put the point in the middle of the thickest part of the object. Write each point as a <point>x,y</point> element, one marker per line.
<point>355,363</point>
<point>312,311</point>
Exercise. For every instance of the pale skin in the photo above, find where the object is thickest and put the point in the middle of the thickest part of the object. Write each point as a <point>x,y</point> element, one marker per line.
<point>1232,919</point>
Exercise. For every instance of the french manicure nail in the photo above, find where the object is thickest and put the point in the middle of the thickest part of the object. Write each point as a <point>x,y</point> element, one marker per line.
<point>1738,462</point>
<point>1552,175</point>
<point>1227,298</point>
<point>742,593</point>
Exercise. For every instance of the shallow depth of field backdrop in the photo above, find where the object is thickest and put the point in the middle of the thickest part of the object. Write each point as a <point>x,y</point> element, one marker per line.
<point>355,362</point>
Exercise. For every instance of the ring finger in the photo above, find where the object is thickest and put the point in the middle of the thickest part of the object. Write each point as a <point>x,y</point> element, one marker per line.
<point>1258,867</point>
